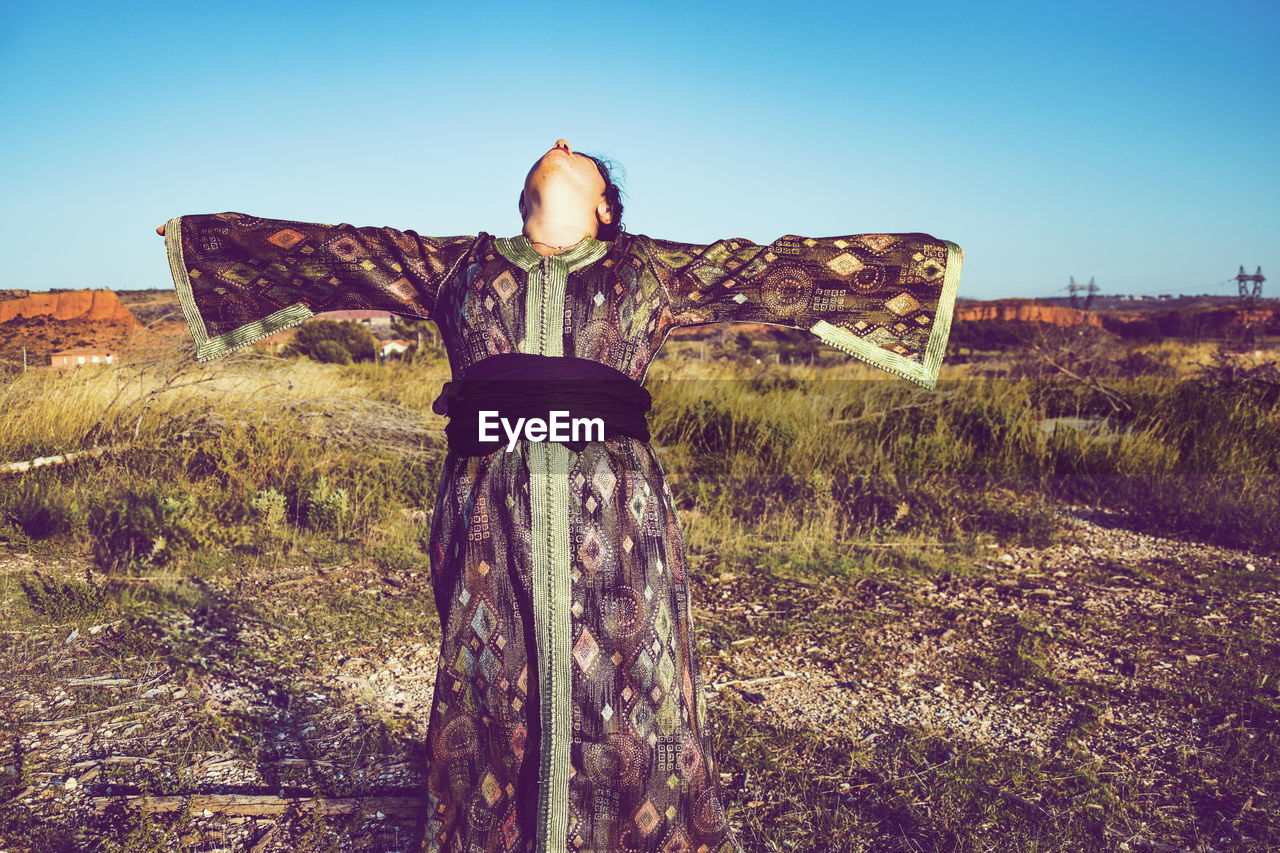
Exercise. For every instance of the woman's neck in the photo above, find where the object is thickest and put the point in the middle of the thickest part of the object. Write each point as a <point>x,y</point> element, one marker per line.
<point>550,234</point>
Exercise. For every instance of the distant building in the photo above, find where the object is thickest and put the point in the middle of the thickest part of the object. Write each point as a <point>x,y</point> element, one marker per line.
<point>76,357</point>
<point>395,346</point>
<point>376,321</point>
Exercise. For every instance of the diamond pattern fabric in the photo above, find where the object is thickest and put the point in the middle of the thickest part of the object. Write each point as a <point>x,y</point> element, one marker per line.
<point>568,713</point>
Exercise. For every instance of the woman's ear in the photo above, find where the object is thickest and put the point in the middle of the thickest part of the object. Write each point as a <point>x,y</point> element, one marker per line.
<point>604,213</point>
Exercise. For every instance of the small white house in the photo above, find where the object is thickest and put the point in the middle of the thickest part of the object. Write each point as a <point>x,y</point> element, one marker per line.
<point>394,346</point>
<point>76,357</point>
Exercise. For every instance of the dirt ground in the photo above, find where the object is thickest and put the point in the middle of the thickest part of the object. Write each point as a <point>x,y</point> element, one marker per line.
<point>90,731</point>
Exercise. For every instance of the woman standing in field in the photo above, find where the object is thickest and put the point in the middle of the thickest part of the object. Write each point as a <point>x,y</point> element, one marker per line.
<point>568,712</point>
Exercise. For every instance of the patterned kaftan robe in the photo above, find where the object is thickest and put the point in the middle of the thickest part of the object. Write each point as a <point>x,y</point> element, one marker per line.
<point>568,711</point>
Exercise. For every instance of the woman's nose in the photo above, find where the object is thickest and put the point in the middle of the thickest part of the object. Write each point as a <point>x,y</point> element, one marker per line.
<point>563,143</point>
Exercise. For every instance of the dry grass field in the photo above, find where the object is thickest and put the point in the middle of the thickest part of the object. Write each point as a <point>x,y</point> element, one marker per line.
<point>1034,609</point>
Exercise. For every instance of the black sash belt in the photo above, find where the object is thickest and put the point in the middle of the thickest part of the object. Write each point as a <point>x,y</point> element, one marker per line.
<point>523,385</point>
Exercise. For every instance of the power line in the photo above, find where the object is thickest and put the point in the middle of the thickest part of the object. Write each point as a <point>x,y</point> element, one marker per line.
<point>1073,287</point>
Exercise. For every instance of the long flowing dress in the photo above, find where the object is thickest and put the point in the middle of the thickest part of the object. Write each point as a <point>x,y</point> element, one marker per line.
<point>568,712</point>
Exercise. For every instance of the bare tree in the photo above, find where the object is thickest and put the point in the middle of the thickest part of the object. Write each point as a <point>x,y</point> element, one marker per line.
<point>1084,354</point>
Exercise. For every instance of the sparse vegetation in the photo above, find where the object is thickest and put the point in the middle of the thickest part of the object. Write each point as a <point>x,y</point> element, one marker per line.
<point>334,342</point>
<point>60,599</point>
<point>257,534</point>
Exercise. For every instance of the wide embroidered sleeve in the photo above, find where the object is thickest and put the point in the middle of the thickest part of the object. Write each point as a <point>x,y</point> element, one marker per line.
<point>887,299</point>
<point>241,278</point>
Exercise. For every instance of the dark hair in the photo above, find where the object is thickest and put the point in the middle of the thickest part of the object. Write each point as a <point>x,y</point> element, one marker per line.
<point>612,196</point>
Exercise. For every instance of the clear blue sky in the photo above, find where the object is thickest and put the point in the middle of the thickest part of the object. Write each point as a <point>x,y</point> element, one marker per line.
<point>1132,141</point>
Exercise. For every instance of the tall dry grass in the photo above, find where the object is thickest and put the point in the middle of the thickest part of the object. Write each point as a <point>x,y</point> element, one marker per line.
<point>249,464</point>
<point>834,452</point>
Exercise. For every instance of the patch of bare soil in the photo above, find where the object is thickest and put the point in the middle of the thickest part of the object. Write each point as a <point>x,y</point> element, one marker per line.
<point>1002,656</point>
<point>250,746</point>
<point>1123,621</point>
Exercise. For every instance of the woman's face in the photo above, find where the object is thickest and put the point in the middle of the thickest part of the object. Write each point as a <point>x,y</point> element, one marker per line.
<point>563,175</point>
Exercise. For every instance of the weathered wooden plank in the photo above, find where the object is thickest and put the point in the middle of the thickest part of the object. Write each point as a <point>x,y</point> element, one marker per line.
<point>263,804</point>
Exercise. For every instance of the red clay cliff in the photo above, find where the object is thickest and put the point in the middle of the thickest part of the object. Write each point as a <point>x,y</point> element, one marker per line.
<point>97,305</point>
<point>1026,311</point>
<point>37,324</point>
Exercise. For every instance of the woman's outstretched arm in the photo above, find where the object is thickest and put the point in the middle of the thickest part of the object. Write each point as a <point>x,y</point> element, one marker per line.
<point>241,278</point>
<point>887,299</point>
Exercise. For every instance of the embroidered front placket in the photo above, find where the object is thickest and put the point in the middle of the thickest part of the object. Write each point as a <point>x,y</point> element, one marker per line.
<point>549,464</point>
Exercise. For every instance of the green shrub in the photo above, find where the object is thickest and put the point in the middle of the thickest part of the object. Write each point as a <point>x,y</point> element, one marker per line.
<point>317,338</point>
<point>127,528</point>
<point>326,508</point>
<point>41,510</point>
<point>270,506</point>
<point>12,536</point>
<point>331,352</point>
<point>64,599</point>
<point>147,529</point>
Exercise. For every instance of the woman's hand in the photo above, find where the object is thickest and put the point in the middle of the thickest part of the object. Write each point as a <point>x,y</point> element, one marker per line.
<point>160,230</point>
